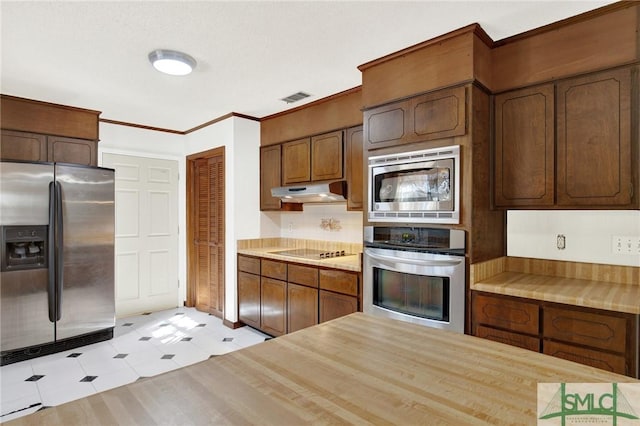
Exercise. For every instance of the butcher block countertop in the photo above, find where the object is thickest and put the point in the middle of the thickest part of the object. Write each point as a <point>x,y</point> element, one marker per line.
<point>356,369</point>
<point>609,287</point>
<point>268,248</point>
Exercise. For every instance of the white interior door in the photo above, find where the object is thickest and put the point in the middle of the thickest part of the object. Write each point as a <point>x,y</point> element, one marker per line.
<point>146,241</point>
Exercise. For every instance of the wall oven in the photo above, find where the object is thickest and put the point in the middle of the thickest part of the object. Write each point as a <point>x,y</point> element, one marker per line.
<point>415,275</point>
<point>415,187</point>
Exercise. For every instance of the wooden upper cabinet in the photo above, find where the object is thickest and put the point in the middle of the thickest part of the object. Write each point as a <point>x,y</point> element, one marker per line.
<point>23,146</point>
<point>68,150</point>
<point>355,168</point>
<point>524,147</point>
<point>327,156</point>
<point>386,125</point>
<point>270,176</point>
<point>41,131</point>
<point>426,117</point>
<point>594,140</point>
<point>438,115</point>
<point>296,161</point>
<point>35,147</point>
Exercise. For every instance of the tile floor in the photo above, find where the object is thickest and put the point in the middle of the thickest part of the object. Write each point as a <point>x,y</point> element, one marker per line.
<point>142,346</point>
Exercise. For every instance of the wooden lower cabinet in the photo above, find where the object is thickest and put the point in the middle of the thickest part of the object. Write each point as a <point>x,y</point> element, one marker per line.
<point>510,338</point>
<point>607,361</point>
<point>249,298</point>
<point>273,306</point>
<point>335,305</point>
<point>302,307</point>
<point>603,339</point>
<point>280,297</point>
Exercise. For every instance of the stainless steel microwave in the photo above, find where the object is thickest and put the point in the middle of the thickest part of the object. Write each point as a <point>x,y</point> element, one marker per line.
<point>415,187</point>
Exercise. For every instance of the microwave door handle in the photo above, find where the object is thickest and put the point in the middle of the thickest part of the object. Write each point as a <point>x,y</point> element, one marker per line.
<point>414,261</point>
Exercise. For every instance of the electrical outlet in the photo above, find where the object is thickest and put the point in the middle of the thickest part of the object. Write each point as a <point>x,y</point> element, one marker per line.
<point>625,244</point>
<point>290,226</point>
<point>561,242</point>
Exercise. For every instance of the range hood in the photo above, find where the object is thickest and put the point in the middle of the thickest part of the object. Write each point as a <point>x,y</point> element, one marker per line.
<point>327,192</point>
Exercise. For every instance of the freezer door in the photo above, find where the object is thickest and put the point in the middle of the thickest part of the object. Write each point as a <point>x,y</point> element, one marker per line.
<point>24,206</point>
<point>24,190</point>
<point>87,298</point>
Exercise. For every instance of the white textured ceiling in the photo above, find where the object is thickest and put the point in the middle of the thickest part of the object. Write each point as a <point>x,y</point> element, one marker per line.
<point>250,54</point>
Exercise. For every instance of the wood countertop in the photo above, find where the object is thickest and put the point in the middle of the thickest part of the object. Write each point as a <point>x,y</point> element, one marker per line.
<point>357,369</point>
<point>609,287</point>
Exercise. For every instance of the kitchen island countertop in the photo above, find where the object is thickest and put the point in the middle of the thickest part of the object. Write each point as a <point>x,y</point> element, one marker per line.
<point>357,369</point>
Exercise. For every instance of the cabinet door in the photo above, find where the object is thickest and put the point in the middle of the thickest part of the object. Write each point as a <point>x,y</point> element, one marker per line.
<point>355,168</point>
<point>524,147</point>
<point>586,328</point>
<point>273,306</point>
<point>437,115</point>
<point>76,151</point>
<point>594,140</point>
<point>506,313</point>
<point>249,299</point>
<point>302,307</point>
<point>386,125</point>
<point>334,305</point>
<point>23,146</point>
<point>327,156</point>
<point>296,161</point>
<point>270,176</point>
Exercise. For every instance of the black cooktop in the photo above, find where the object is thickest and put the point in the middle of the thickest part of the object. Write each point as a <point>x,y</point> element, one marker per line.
<point>306,253</point>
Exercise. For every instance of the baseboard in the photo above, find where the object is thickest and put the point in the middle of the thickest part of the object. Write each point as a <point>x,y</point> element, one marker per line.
<point>231,324</point>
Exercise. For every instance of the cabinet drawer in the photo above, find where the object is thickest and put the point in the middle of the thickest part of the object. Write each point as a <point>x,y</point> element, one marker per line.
<point>513,339</point>
<point>594,358</point>
<point>339,281</point>
<point>274,269</point>
<point>505,313</point>
<point>585,328</point>
<point>304,275</point>
<point>249,264</point>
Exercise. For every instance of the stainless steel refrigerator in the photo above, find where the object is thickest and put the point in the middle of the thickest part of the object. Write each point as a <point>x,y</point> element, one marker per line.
<point>57,258</point>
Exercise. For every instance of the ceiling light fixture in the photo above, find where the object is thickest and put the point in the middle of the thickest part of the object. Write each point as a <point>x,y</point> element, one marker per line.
<point>172,62</point>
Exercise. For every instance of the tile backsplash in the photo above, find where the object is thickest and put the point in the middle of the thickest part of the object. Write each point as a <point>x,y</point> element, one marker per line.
<point>329,222</point>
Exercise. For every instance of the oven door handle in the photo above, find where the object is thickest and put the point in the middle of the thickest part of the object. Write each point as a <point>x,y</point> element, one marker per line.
<point>414,261</point>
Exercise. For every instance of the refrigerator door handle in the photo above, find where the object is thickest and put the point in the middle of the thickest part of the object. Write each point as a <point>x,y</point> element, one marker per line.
<point>51,253</point>
<point>59,251</point>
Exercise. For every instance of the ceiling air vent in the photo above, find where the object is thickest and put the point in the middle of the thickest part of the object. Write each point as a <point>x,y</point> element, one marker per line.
<point>295,97</point>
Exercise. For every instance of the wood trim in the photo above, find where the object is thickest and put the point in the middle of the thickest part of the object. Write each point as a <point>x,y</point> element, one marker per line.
<point>179,132</point>
<point>334,112</point>
<point>232,324</point>
<point>218,119</point>
<point>29,115</point>
<point>473,28</point>
<point>140,126</point>
<point>36,102</point>
<point>604,10</point>
<point>310,104</point>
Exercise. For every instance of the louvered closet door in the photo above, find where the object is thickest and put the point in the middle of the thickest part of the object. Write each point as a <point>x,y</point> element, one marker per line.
<point>209,242</point>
